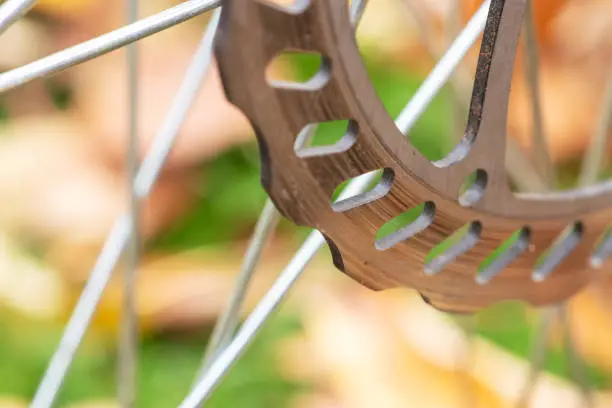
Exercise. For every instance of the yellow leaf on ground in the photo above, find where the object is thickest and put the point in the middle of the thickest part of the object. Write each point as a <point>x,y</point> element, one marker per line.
<point>365,363</point>
<point>27,286</point>
<point>390,349</point>
<point>591,323</point>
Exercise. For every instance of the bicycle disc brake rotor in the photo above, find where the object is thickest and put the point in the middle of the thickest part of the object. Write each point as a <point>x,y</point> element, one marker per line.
<point>558,235</point>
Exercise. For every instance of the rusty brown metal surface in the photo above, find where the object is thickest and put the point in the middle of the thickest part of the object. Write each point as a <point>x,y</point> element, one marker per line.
<point>252,33</point>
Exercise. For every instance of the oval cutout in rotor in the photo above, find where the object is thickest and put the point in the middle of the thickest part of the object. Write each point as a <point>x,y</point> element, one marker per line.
<point>453,247</point>
<point>292,69</point>
<point>500,258</point>
<point>567,241</point>
<point>362,189</point>
<point>405,226</point>
<point>325,138</point>
<point>473,188</point>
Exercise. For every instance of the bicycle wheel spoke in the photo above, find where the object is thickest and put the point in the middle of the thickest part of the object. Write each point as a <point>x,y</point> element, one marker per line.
<point>128,342</point>
<point>254,322</point>
<point>577,366</point>
<point>228,321</point>
<point>185,97</point>
<point>105,43</point>
<point>357,10</point>
<point>460,81</point>
<point>82,314</point>
<point>443,70</point>
<point>117,240</point>
<point>13,10</point>
<point>540,153</point>
<point>594,157</point>
<point>539,351</point>
<point>521,170</point>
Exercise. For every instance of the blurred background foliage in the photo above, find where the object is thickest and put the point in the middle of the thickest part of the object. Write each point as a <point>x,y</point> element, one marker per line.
<point>334,344</point>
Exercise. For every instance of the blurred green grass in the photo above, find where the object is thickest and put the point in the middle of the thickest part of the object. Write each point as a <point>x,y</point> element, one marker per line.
<point>168,363</point>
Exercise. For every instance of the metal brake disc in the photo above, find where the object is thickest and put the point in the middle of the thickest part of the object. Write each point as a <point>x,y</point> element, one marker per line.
<point>557,238</point>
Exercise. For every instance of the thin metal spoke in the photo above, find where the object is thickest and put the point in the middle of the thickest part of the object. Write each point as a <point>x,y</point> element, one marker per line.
<point>521,170</point>
<point>105,43</point>
<point>461,81</point>
<point>540,349</point>
<point>539,352</point>
<point>543,161</point>
<point>82,314</point>
<point>119,236</point>
<point>185,97</point>
<point>13,10</point>
<point>254,322</point>
<point>594,157</point>
<point>226,358</point>
<point>228,321</point>
<point>540,152</point>
<point>357,10</point>
<point>128,341</point>
<point>443,69</point>
<point>460,89</point>
<point>578,369</point>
